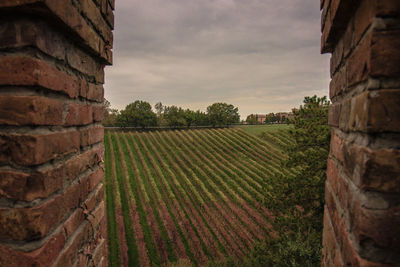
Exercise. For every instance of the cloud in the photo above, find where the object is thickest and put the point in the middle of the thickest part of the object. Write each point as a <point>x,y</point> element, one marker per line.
<point>260,55</point>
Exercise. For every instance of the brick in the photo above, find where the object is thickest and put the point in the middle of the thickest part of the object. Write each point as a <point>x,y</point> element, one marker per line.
<point>336,147</point>
<point>25,71</point>
<point>385,58</point>
<point>30,110</point>
<point>34,149</point>
<point>29,186</point>
<point>98,113</point>
<point>35,222</point>
<point>338,83</point>
<point>95,92</point>
<point>112,4</point>
<point>332,174</point>
<point>337,57</point>
<point>43,256</point>
<point>345,109</point>
<point>73,222</point>
<point>110,14</point>
<point>79,114</point>
<point>96,216</point>
<point>64,10</point>
<point>334,114</point>
<point>363,18</point>
<point>38,34</point>
<point>13,3</point>
<point>71,252</point>
<point>8,33</point>
<point>95,198</point>
<point>375,170</point>
<point>84,63</point>
<point>376,228</point>
<point>80,163</point>
<point>329,251</point>
<point>348,39</point>
<point>344,191</point>
<point>98,254</point>
<point>92,136</point>
<point>359,64</point>
<point>94,15</point>
<point>387,8</point>
<point>358,118</point>
<point>376,111</point>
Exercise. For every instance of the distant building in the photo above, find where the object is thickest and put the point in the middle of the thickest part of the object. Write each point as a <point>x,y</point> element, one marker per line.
<point>283,116</point>
<point>260,118</point>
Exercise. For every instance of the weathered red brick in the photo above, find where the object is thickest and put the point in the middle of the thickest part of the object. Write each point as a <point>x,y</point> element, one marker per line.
<point>110,14</point>
<point>70,16</point>
<point>98,254</point>
<point>77,242</point>
<point>29,186</point>
<point>331,255</point>
<point>334,114</point>
<point>332,174</point>
<point>91,11</point>
<point>95,92</point>
<point>27,71</point>
<point>43,256</point>
<point>36,222</point>
<point>98,113</point>
<point>80,163</point>
<point>12,3</point>
<point>33,149</point>
<point>376,111</point>
<point>73,222</point>
<point>359,63</point>
<point>38,34</point>
<point>338,83</point>
<point>381,226</point>
<point>95,198</point>
<point>8,33</point>
<point>96,216</point>
<point>345,109</point>
<point>30,110</point>
<point>336,147</point>
<point>92,135</point>
<point>387,8</point>
<point>385,57</point>
<point>363,18</point>
<point>79,114</point>
<point>377,170</point>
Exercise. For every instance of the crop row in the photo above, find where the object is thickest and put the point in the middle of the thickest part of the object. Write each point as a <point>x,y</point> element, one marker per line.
<point>193,196</point>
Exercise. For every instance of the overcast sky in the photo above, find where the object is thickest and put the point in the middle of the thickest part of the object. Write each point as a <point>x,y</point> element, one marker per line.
<point>259,55</point>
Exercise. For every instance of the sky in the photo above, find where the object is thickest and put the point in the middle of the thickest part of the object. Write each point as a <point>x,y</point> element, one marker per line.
<point>259,55</point>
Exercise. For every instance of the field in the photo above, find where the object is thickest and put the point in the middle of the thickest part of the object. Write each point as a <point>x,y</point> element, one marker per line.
<point>269,128</point>
<point>188,197</point>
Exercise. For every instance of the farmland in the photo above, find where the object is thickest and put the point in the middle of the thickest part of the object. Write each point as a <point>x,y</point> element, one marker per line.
<point>190,196</point>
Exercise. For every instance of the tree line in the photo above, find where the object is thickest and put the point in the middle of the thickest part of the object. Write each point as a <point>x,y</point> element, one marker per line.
<point>269,118</point>
<point>140,114</point>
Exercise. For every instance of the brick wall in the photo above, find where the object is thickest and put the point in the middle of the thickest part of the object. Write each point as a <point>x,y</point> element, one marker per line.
<point>52,59</point>
<point>362,211</point>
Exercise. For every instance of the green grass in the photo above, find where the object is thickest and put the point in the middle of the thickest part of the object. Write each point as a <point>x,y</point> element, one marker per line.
<point>258,129</point>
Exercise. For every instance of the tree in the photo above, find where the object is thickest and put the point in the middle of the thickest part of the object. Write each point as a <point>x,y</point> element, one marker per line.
<point>137,114</point>
<point>251,119</point>
<point>222,114</point>
<point>297,202</point>
<point>159,108</point>
<point>174,116</point>
<point>110,114</point>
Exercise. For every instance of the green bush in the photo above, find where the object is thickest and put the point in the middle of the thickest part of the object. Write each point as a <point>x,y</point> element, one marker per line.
<point>297,201</point>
